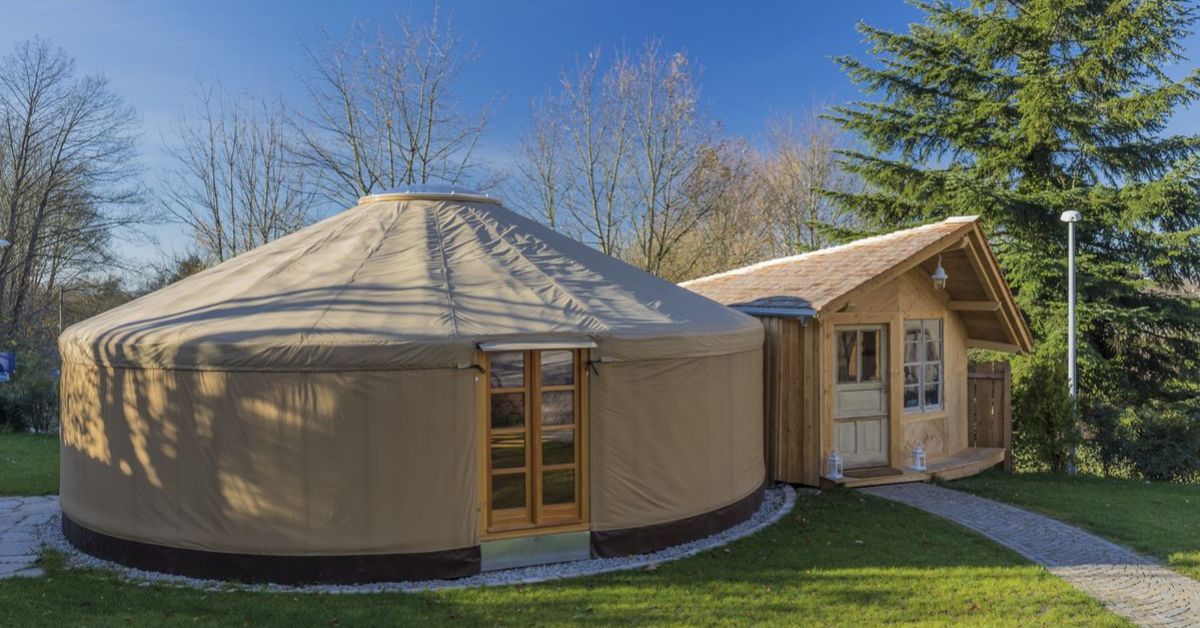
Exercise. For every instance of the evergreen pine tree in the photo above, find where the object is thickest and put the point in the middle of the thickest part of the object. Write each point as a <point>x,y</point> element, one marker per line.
<point>1020,110</point>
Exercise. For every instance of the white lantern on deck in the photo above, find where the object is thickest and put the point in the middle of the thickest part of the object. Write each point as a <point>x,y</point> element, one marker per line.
<point>835,465</point>
<point>918,458</point>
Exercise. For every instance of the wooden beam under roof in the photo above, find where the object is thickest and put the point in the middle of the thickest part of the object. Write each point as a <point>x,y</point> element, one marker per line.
<point>974,306</point>
<point>994,346</point>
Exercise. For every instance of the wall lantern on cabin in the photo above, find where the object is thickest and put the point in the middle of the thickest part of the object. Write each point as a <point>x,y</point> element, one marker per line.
<point>918,458</point>
<point>939,276</point>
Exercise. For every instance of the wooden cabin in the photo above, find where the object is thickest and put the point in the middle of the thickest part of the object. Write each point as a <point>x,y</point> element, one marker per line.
<point>866,351</point>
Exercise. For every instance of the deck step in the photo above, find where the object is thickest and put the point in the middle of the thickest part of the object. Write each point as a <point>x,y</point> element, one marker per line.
<point>967,462</point>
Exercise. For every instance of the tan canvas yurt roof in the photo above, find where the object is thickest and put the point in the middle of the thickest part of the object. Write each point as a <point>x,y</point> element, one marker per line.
<point>407,280</point>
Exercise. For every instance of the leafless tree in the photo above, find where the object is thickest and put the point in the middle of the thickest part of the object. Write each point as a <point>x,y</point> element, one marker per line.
<point>233,183</point>
<point>67,180</point>
<point>543,185</point>
<point>733,230</point>
<point>624,158</point>
<point>800,162</point>
<point>573,160</point>
<point>674,147</point>
<point>385,111</point>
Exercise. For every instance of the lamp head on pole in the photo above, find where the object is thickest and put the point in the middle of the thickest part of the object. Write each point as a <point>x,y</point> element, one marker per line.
<point>1070,216</point>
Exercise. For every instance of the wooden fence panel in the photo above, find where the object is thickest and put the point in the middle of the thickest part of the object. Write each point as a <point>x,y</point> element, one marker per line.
<point>989,407</point>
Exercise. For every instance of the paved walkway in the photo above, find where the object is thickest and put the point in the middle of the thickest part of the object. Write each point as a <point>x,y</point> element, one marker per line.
<point>19,516</point>
<point>1126,582</point>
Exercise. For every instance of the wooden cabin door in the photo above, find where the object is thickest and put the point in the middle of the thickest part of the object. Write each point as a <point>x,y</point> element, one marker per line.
<point>860,411</point>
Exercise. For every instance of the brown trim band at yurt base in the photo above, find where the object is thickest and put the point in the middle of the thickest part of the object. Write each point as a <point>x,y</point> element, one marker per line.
<point>288,570</point>
<point>311,410</point>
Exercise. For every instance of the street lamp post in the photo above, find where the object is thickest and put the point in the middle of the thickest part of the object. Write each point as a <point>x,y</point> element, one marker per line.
<point>1071,217</point>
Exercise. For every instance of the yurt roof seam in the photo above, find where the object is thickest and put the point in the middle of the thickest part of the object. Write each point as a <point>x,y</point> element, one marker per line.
<point>350,221</point>
<point>437,227</point>
<point>353,275</point>
<point>521,257</point>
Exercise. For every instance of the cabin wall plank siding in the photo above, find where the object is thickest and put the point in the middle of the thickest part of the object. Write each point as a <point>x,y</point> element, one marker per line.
<point>791,411</point>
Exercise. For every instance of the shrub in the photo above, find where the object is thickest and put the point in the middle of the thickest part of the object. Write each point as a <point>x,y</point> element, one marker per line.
<point>1106,440</point>
<point>1163,441</point>
<point>30,400</point>
<point>1043,427</point>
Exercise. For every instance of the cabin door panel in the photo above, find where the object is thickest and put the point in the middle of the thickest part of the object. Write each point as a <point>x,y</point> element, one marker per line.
<point>862,442</point>
<point>861,395</point>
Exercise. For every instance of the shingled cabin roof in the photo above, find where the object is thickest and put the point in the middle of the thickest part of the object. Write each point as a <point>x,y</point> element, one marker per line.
<point>809,284</point>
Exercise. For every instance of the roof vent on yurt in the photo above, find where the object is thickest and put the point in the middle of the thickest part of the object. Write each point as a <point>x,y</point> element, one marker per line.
<point>430,192</point>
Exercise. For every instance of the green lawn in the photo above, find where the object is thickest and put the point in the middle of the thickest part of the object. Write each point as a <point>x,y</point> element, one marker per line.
<point>28,464</point>
<point>839,559</point>
<point>1152,517</point>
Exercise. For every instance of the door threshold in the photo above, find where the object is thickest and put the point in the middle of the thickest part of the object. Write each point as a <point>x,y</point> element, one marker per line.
<point>542,549</point>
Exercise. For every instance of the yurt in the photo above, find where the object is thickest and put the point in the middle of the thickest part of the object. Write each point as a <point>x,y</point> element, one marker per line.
<point>426,385</point>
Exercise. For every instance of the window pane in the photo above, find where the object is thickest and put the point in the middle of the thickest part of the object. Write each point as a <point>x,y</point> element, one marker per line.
<point>508,491</point>
<point>933,328</point>
<point>870,356</point>
<point>933,351</point>
<point>558,487</point>
<point>508,451</point>
<point>932,395</point>
<point>912,352</point>
<point>558,407</point>
<point>912,397</point>
<point>508,369</point>
<point>933,374</point>
<point>847,358</point>
<point>558,447</point>
<point>508,410</point>
<point>558,368</point>
<point>912,375</point>
<point>912,334</point>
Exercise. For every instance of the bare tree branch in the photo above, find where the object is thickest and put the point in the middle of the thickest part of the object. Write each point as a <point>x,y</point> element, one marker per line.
<point>233,183</point>
<point>385,111</point>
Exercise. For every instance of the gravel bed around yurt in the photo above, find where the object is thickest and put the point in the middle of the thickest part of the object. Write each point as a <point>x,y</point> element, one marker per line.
<point>777,502</point>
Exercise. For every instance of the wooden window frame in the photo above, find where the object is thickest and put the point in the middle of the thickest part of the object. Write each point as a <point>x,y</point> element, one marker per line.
<point>922,365</point>
<point>535,518</point>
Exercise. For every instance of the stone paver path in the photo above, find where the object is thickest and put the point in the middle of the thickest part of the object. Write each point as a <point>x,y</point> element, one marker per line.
<point>19,518</point>
<point>1128,583</point>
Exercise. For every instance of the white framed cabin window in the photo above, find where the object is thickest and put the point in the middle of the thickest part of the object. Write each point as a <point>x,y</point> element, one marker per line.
<point>858,352</point>
<point>923,365</point>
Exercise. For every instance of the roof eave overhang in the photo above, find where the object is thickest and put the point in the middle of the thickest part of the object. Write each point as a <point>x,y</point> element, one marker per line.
<point>803,314</point>
<point>969,236</point>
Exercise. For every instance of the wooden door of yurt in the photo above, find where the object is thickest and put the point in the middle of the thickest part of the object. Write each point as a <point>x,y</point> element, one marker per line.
<point>535,433</point>
<point>860,410</point>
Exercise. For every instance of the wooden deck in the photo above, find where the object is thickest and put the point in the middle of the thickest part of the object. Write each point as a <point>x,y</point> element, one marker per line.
<point>965,463</point>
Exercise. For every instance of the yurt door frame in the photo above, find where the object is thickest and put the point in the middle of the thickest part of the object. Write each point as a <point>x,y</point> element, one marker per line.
<point>533,445</point>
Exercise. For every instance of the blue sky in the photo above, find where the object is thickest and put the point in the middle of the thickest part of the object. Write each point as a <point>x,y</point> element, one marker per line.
<point>756,57</point>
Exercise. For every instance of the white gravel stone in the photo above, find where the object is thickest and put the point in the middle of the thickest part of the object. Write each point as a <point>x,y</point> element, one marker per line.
<point>778,501</point>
